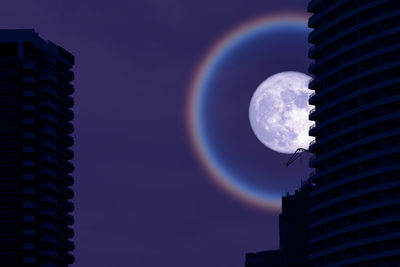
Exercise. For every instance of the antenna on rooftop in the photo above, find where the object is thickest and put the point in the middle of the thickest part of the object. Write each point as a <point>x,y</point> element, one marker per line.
<point>296,155</point>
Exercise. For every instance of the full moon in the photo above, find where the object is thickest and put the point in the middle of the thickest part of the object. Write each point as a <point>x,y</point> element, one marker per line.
<point>279,111</point>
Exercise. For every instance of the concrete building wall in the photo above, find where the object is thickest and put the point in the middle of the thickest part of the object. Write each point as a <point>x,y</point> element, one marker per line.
<point>35,151</point>
<point>355,212</point>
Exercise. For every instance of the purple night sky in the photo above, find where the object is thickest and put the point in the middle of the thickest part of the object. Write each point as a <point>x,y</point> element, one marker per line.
<point>142,198</point>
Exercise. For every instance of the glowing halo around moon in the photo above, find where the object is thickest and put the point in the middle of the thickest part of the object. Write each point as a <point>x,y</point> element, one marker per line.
<point>279,109</point>
<point>219,173</point>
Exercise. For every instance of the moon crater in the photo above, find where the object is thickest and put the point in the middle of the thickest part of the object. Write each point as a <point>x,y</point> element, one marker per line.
<point>279,112</point>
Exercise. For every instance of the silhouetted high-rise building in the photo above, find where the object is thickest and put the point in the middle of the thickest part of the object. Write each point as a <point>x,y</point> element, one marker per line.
<point>293,228</point>
<point>293,233</point>
<point>355,210</point>
<point>271,258</point>
<point>35,154</point>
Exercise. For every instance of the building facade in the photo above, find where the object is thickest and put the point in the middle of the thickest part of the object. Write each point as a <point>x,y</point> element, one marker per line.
<point>293,234</point>
<point>355,205</point>
<point>293,228</point>
<point>35,151</point>
<point>271,258</point>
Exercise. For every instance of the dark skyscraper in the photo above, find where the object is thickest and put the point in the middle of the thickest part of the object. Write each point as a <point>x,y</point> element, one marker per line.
<point>272,258</point>
<point>293,228</point>
<point>293,233</point>
<point>35,154</point>
<point>355,210</point>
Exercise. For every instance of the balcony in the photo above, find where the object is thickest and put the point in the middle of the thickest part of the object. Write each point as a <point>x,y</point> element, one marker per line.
<point>29,232</point>
<point>66,88</point>
<point>66,231</point>
<point>27,92</point>
<point>49,186</point>
<point>59,162</point>
<point>28,66</point>
<point>311,67</point>
<point>28,219</point>
<point>62,111</point>
<point>356,28</point>
<point>48,77</point>
<point>61,137</point>
<point>28,177</point>
<point>65,192</point>
<point>358,243</point>
<point>66,74</point>
<point>313,4</point>
<point>28,80</point>
<point>357,160</point>
<point>311,50</point>
<point>29,260</point>
<point>28,205</point>
<point>28,246</point>
<point>66,218</point>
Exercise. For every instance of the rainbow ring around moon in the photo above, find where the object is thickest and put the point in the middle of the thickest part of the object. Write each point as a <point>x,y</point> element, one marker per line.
<point>220,174</point>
